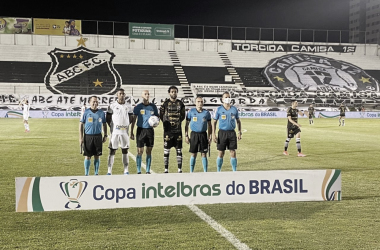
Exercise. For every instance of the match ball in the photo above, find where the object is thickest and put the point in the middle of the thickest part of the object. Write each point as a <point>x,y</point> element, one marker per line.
<point>153,121</point>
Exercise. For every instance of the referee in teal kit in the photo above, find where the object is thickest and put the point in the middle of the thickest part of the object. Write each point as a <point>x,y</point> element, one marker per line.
<point>199,120</point>
<point>228,117</point>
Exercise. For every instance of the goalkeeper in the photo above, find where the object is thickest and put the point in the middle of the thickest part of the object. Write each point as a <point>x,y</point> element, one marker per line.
<point>145,133</point>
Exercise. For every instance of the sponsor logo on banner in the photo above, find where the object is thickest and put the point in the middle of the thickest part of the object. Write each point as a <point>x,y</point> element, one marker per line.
<point>57,27</point>
<point>331,186</point>
<point>317,73</point>
<point>292,48</point>
<point>82,71</point>
<point>73,190</point>
<point>15,25</point>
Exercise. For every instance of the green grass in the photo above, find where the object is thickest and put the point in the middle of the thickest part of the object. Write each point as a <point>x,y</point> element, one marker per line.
<point>51,149</point>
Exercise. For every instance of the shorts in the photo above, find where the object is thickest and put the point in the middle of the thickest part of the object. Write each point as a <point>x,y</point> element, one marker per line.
<point>342,114</point>
<point>226,140</point>
<point>145,137</point>
<point>198,142</point>
<point>310,116</point>
<point>172,140</point>
<point>119,140</point>
<point>25,117</point>
<point>293,131</point>
<point>92,145</point>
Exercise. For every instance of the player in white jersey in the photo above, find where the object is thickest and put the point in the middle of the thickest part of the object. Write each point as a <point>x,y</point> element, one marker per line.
<point>25,113</point>
<point>119,116</point>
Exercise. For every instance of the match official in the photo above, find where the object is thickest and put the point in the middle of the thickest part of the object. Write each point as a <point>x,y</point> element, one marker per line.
<point>228,117</point>
<point>145,133</point>
<point>91,124</point>
<point>199,120</point>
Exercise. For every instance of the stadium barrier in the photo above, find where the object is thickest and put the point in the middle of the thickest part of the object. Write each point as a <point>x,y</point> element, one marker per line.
<point>242,114</point>
<point>36,194</point>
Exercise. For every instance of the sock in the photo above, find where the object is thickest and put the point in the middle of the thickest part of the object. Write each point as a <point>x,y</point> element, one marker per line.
<point>309,121</point>
<point>204,163</point>
<point>179,158</point>
<point>87,164</point>
<point>96,165</point>
<point>233,163</point>
<point>166,157</point>
<point>342,122</point>
<point>192,163</point>
<point>125,163</point>
<point>148,162</point>
<point>312,121</point>
<point>339,121</point>
<point>287,144</point>
<point>111,159</point>
<point>138,163</point>
<point>219,163</point>
<point>27,126</point>
<point>298,143</point>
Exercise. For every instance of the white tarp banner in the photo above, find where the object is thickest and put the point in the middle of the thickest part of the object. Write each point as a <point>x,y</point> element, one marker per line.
<point>119,191</point>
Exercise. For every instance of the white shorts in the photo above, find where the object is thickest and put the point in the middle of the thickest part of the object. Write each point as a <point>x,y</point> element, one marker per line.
<point>119,140</point>
<point>25,117</point>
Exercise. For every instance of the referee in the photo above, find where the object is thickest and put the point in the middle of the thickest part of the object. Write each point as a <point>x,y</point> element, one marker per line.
<point>228,116</point>
<point>199,120</point>
<point>91,124</point>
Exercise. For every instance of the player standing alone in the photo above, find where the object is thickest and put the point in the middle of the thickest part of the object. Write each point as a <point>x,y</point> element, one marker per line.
<point>145,133</point>
<point>342,114</point>
<point>293,129</point>
<point>25,114</point>
<point>228,117</point>
<point>199,120</point>
<point>172,113</point>
<point>311,114</point>
<point>119,115</point>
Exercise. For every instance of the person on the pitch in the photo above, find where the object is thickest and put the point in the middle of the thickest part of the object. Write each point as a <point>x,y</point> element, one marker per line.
<point>199,120</point>
<point>228,117</point>
<point>342,114</point>
<point>294,128</point>
<point>311,114</point>
<point>172,113</point>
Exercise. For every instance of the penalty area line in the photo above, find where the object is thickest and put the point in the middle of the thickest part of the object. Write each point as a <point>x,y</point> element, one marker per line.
<point>209,220</point>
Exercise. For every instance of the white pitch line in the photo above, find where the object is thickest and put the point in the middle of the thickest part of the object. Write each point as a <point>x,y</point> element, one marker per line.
<point>212,223</point>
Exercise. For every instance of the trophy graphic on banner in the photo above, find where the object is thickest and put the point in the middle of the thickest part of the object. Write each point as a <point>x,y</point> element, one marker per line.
<point>73,190</point>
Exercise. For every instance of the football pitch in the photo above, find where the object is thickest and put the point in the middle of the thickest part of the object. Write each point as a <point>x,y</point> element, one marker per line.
<point>52,149</point>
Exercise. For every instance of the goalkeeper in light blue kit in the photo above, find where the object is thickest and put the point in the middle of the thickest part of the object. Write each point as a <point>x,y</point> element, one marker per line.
<point>228,117</point>
<point>145,133</point>
<point>199,120</point>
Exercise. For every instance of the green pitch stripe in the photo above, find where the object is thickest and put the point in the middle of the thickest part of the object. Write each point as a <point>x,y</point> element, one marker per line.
<point>36,199</point>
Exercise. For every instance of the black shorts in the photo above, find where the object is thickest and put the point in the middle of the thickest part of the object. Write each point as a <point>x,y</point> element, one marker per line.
<point>172,140</point>
<point>145,137</point>
<point>310,116</point>
<point>226,140</point>
<point>293,131</point>
<point>342,114</point>
<point>198,142</point>
<point>92,145</point>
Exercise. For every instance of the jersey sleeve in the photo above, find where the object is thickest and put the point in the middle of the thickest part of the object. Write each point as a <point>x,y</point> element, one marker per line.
<point>136,110</point>
<point>289,112</point>
<point>208,116</point>
<point>237,113</point>
<point>183,112</point>
<point>216,114</point>
<point>109,109</point>
<point>188,115</point>
<point>104,117</point>
<point>155,110</point>
<point>83,119</point>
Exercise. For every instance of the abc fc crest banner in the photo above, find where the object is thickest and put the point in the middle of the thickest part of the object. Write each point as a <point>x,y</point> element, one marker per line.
<point>317,73</point>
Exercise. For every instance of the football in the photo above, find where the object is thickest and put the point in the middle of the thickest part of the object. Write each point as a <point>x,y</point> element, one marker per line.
<point>153,121</point>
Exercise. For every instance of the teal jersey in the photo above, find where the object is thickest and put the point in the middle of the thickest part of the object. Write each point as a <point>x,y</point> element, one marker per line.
<point>93,121</point>
<point>227,118</point>
<point>143,113</point>
<point>198,120</point>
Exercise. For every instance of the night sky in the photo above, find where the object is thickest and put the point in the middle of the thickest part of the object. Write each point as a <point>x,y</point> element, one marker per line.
<point>296,14</point>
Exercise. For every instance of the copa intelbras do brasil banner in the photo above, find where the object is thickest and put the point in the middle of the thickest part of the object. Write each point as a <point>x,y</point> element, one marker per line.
<point>57,27</point>
<point>151,31</point>
<point>36,194</point>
